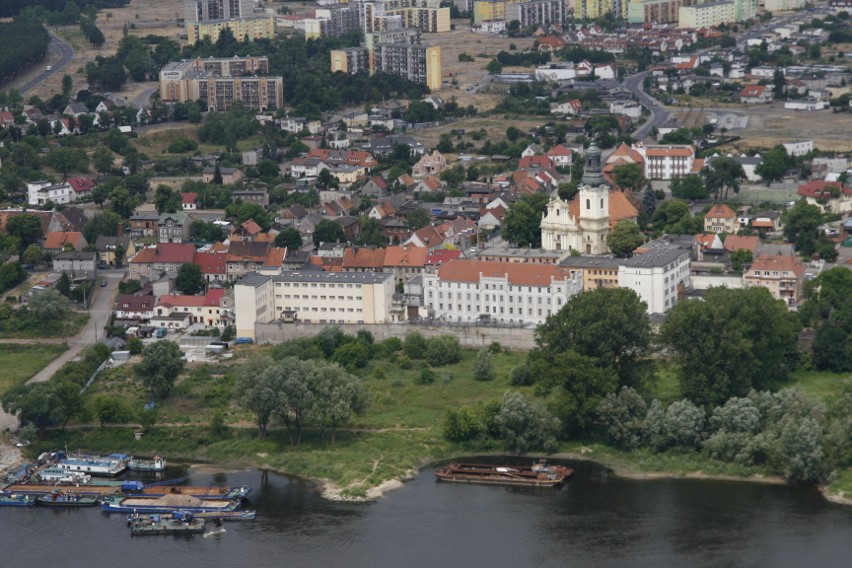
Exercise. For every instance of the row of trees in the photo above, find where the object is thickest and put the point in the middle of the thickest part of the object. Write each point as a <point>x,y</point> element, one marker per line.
<point>22,44</point>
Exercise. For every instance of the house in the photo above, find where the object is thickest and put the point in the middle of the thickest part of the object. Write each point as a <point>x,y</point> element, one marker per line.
<point>568,108</point>
<point>135,308</point>
<point>205,310</point>
<point>292,215</point>
<point>537,162</point>
<point>58,241</point>
<point>829,196</point>
<point>307,167</point>
<point>42,192</point>
<point>429,165</point>
<point>737,242</point>
<point>782,275</point>
<point>82,186</point>
<point>658,271</point>
<point>188,201</point>
<point>429,184</point>
<point>75,109</point>
<point>756,94</point>
<point>364,259</point>
<point>149,262</point>
<point>76,263</point>
<point>799,147</point>
<point>107,246</point>
<point>229,175</point>
<point>144,224</point>
<point>550,44</point>
<point>721,219</point>
<point>214,265</point>
<point>173,227</point>
<point>247,231</point>
<point>376,186</point>
<point>560,155</point>
<point>667,161</point>
<point>244,257</point>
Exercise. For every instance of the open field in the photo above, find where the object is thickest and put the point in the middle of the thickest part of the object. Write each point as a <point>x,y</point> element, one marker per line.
<point>20,362</point>
<point>770,125</point>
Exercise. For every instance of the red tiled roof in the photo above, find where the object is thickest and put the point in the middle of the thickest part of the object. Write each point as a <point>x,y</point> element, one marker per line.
<point>442,256</point>
<point>131,303</point>
<point>275,257</point>
<point>174,253</point>
<point>779,263</point>
<point>211,298</point>
<point>559,150</point>
<point>405,255</point>
<point>819,189</point>
<point>665,151</point>
<point>188,197</point>
<point>753,91</point>
<point>736,242</point>
<point>518,274</point>
<point>58,240</point>
<point>535,162</point>
<point>211,262</point>
<point>364,257</point>
<point>81,184</point>
<point>720,211</point>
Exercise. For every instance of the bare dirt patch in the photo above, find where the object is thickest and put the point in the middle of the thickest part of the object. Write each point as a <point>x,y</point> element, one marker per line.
<point>773,124</point>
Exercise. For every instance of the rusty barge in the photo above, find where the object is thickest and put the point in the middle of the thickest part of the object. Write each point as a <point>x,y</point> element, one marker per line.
<point>539,474</point>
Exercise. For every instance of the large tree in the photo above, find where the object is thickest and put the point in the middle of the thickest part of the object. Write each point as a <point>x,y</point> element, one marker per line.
<point>730,342</point>
<point>27,228</point>
<point>801,226</point>
<point>49,305</point>
<point>630,176</point>
<point>609,325</point>
<point>190,279</point>
<point>722,176</point>
<point>289,238</point>
<point>624,238</point>
<point>327,231</point>
<point>774,164</point>
<point>525,425</point>
<point>166,200</point>
<point>161,364</point>
<point>522,223</point>
<point>689,187</point>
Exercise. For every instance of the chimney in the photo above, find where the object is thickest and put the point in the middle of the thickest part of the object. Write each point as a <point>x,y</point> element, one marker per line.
<point>120,230</point>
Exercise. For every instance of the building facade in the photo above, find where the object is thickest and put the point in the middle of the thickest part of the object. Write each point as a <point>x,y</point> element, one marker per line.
<point>782,275</point>
<point>536,12</point>
<point>706,15</point>
<point>193,80</point>
<point>666,162</point>
<point>206,18</point>
<point>314,297</point>
<point>472,291</point>
<point>658,272</point>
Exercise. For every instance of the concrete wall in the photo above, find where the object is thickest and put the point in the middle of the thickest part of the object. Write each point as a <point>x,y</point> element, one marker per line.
<point>469,336</point>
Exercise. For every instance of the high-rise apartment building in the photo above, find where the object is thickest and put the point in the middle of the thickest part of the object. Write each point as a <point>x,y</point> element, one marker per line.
<point>206,18</point>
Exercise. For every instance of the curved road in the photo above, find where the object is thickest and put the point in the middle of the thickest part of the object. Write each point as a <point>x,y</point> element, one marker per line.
<point>59,47</point>
<point>659,115</point>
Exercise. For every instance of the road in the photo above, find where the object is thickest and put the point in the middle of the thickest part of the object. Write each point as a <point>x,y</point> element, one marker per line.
<point>143,99</point>
<point>659,115</point>
<point>58,48</point>
<point>99,311</point>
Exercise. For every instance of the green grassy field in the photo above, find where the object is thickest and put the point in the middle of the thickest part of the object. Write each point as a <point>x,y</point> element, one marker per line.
<point>824,386</point>
<point>12,329</point>
<point>20,362</point>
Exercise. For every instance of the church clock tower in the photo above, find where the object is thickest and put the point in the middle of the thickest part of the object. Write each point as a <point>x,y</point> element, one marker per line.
<point>594,205</point>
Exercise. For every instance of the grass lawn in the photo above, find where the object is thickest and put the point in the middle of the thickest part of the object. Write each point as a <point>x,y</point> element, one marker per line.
<point>20,362</point>
<point>12,328</point>
<point>822,385</point>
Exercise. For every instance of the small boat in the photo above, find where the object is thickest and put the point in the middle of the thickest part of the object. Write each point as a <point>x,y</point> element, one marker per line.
<point>61,498</point>
<point>177,523</point>
<point>16,500</point>
<point>537,475</point>
<point>140,464</point>
<point>168,504</point>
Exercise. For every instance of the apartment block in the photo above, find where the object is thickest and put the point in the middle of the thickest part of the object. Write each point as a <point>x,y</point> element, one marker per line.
<point>592,9</point>
<point>184,81</point>
<point>666,162</point>
<point>783,5</point>
<point>655,11</point>
<point>536,12</point>
<point>351,60</point>
<point>709,14</point>
<point>416,63</point>
<point>206,18</point>
<point>656,271</point>
<point>313,297</point>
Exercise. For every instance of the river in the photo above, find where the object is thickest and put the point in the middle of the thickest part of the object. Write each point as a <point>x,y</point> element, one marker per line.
<point>597,520</point>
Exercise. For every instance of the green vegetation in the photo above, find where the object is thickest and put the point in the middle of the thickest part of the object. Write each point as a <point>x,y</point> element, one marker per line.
<point>24,44</point>
<point>18,363</point>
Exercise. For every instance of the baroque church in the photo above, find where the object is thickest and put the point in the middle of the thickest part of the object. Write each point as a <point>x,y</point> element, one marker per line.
<point>583,223</point>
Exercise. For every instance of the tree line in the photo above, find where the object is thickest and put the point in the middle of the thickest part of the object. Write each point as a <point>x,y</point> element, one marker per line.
<point>21,44</point>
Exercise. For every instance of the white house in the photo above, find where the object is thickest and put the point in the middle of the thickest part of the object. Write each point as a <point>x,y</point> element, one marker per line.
<point>799,147</point>
<point>40,192</point>
<point>307,167</point>
<point>631,109</point>
<point>501,292</point>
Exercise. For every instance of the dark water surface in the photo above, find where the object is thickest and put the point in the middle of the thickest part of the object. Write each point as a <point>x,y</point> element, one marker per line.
<point>596,520</point>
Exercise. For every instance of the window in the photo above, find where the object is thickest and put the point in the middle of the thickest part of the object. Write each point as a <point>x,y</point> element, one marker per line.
<point>588,207</point>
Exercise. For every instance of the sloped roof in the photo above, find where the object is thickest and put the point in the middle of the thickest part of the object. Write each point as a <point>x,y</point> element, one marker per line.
<point>779,263</point>
<point>736,242</point>
<point>406,256</point>
<point>211,262</point>
<point>720,211</point>
<point>174,253</point>
<point>211,298</point>
<point>518,274</point>
<point>620,207</point>
<point>58,240</point>
<point>241,251</point>
<point>363,257</point>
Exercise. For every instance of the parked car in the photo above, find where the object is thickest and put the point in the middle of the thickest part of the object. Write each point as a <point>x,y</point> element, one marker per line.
<point>23,443</point>
<point>103,283</point>
<point>243,340</point>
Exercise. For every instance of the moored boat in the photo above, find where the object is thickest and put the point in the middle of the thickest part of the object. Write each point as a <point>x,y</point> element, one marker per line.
<point>109,466</point>
<point>211,492</point>
<point>140,464</point>
<point>38,489</point>
<point>61,498</point>
<point>537,475</point>
<point>16,500</point>
<point>177,523</point>
<point>167,504</point>
<point>248,515</point>
<point>61,475</point>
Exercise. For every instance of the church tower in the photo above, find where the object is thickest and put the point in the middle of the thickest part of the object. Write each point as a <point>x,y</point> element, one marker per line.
<point>594,205</point>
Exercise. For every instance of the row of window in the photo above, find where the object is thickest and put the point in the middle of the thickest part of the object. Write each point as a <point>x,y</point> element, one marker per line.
<point>493,310</point>
<point>488,298</point>
<point>315,285</point>
<point>306,297</point>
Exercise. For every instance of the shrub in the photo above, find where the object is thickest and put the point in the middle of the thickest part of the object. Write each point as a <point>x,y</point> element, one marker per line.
<point>495,348</point>
<point>461,425</point>
<point>182,145</point>
<point>521,376</point>
<point>415,345</point>
<point>218,428</point>
<point>623,417</point>
<point>135,345</point>
<point>443,350</point>
<point>405,362</point>
<point>483,369</point>
<point>351,356</point>
<point>427,376</point>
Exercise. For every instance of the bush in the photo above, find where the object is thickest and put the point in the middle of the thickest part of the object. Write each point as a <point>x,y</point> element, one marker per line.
<point>427,376</point>
<point>443,350</point>
<point>135,345</point>
<point>182,145</point>
<point>495,348</point>
<point>623,418</point>
<point>461,425</point>
<point>483,369</point>
<point>415,345</point>
<point>405,362</point>
<point>352,355</point>
<point>218,428</point>
<point>521,376</point>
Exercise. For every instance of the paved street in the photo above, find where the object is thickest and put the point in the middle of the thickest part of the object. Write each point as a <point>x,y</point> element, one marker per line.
<point>58,56</point>
<point>659,115</point>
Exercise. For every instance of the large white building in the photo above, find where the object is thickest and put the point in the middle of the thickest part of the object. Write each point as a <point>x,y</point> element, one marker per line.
<point>502,292</point>
<point>656,270</point>
<point>666,161</point>
<point>314,297</point>
<point>585,229</point>
<point>40,192</point>
<point>706,15</point>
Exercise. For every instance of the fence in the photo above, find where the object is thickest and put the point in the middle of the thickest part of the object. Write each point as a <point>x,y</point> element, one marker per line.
<point>472,336</point>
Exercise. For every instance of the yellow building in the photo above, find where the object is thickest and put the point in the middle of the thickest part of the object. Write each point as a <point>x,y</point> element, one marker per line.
<point>415,62</point>
<point>485,10</point>
<point>709,14</point>
<point>253,27</point>
<point>593,9</point>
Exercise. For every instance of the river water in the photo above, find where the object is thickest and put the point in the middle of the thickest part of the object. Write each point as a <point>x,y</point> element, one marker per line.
<point>597,520</point>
